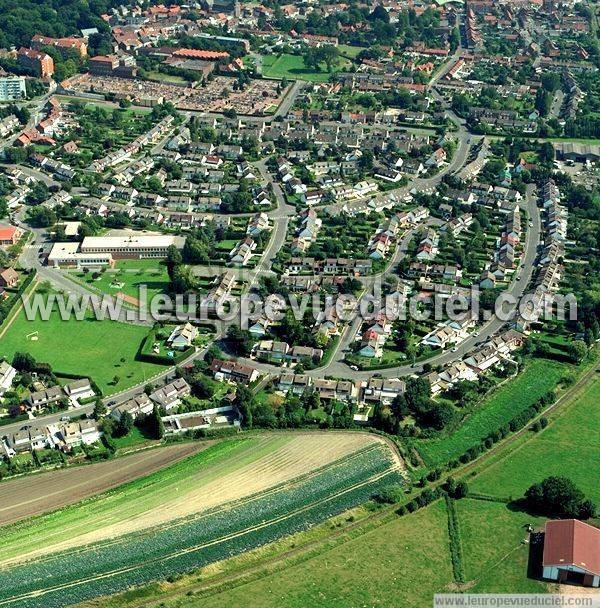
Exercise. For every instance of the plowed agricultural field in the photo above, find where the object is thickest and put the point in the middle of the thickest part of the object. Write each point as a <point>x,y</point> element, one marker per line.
<point>231,497</point>
<point>38,494</point>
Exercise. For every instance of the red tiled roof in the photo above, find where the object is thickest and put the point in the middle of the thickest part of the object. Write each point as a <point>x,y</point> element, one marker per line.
<point>7,232</point>
<point>572,542</point>
<point>199,54</point>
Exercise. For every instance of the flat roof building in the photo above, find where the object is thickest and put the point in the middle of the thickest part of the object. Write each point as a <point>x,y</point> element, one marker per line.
<point>12,88</point>
<point>97,251</point>
<point>132,246</point>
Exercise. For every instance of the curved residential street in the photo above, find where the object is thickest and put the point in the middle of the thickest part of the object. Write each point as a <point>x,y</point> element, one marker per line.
<point>280,217</point>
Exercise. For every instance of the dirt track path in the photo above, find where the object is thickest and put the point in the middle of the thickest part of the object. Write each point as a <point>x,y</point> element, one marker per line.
<point>36,494</point>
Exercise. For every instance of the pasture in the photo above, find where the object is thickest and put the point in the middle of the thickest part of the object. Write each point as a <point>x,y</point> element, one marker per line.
<point>560,449</point>
<point>512,398</point>
<point>491,536</point>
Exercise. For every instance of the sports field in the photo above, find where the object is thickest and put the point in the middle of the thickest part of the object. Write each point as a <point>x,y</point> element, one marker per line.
<point>103,350</point>
<point>515,396</point>
<point>292,67</point>
<point>229,498</point>
<point>127,277</point>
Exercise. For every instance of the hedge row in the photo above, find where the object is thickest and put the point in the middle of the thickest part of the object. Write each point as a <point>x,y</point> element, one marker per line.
<point>145,353</point>
<point>455,542</point>
<point>516,424</point>
<point>12,302</point>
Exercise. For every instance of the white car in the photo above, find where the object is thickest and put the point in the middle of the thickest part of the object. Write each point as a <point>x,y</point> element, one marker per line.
<point>354,368</point>
<point>454,349</point>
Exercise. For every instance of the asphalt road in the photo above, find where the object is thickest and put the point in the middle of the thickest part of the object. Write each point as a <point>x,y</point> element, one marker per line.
<point>281,217</point>
<point>517,289</point>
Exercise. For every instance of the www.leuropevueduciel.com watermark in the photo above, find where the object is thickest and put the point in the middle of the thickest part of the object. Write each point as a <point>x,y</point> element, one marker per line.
<point>251,307</point>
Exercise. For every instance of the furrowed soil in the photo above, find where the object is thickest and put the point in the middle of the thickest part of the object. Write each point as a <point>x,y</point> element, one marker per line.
<point>36,494</point>
<point>265,462</point>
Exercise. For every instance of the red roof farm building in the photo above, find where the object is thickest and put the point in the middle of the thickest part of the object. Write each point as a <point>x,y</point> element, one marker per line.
<point>572,552</point>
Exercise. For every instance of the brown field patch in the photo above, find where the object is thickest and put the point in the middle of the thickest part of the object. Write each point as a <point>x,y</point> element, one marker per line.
<point>223,482</point>
<point>36,494</point>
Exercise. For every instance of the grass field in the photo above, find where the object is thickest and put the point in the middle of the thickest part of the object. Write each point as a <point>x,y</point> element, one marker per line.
<point>560,449</point>
<point>405,561</point>
<point>292,67</point>
<point>350,51</point>
<point>399,564</point>
<point>98,349</point>
<point>491,536</point>
<point>306,479</point>
<point>539,377</point>
<point>127,277</point>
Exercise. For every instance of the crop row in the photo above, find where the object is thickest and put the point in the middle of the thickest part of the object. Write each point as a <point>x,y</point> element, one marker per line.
<point>78,575</point>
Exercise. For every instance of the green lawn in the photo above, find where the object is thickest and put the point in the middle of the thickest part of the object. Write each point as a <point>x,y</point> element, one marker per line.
<point>350,51</point>
<point>399,564</point>
<point>292,67</point>
<point>127,277</point>
<point>161,77</point>
<point>539,377</point>
<point>491,536</point>
<point>98,349</point>
<point>570,447</point>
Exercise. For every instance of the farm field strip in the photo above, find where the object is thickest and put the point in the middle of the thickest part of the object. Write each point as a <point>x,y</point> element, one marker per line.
<point>31,496</point>
<point>172,523</point>
<point>131,498</point>
<point>558,449</point>
<point>539,377</point>
<point>100,570</point>
<point>187,491</point>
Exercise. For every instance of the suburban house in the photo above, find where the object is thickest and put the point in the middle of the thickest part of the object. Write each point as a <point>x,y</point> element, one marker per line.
<point>342,390</point>
<point>297,383</point>
<point>79,389</point>
<point>279,352</point>
<point>35,438</point>
<point>371,344</point>
<point>233,371</point>
<point>40,399</point>
<point>380,390</point>
<point>140,404</point>
<point>571,552</point>
<point>9,235</point>
<point>257,224</point>
<point>182,336</point>
<point>169,396</point>
<point>242,252</point>
<point>7,375</point>
<point>76,433</point>
<point>8,277</point>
